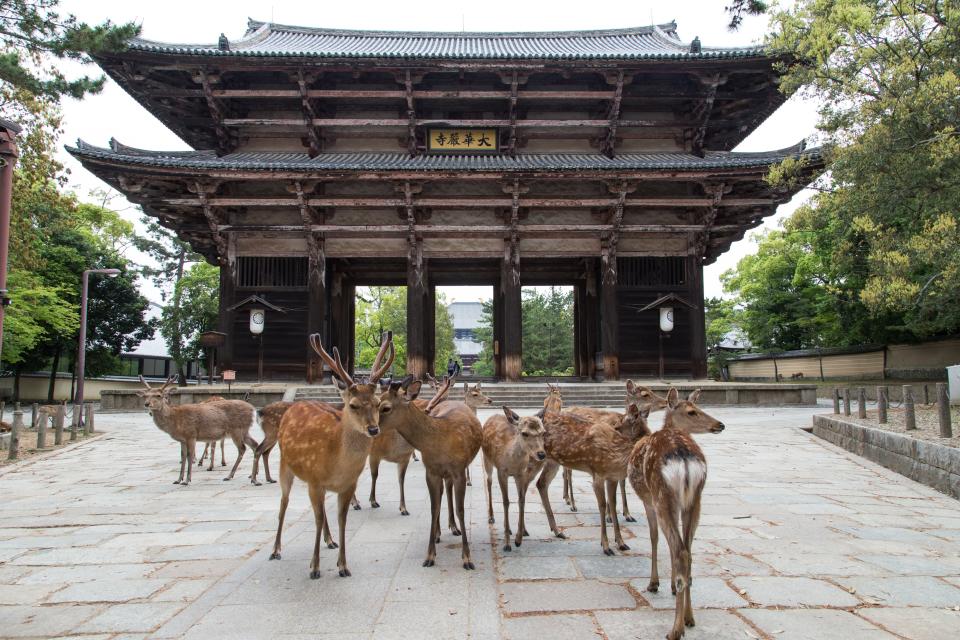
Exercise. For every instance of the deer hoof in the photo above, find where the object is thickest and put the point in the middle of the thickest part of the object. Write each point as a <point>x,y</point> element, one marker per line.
<point>356,507</point>
<point>223,464</point>
<point>469,566</point>
<point>176,482</point>
<point>438,540</point>
<point>345,573</point>
<point>256,484</point>
<point>654,586</point>
<point>609,520</point>
<point>404,512</point>
<point>518,542</point>
<point>609,552</point>
<point>275,555</point>
<point>690,622</point>
<point>315,574</point>
<point>573,508</point>
<point>623,547</point>
<point>507,547</point>
<point>332,545</point>
<point>271,481</point>
<point>491,520</point>
<point>629,518</point>
<point>560,534</point>
<point>374,504</point>
<point>227,479</point>
<point>454,531</point>
<point>428,562</point>
<point>469,484</point>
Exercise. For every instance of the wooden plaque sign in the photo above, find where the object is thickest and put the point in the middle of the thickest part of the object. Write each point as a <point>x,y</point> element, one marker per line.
<point>229,374</point>
<point>462,140</point>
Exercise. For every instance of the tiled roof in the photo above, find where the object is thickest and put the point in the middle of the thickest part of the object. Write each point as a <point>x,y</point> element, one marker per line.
<point>272,161</point>
<point>264,39</point>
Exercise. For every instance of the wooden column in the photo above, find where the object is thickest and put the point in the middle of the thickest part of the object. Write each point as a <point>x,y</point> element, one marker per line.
<point>591,319</point>
<point>417,317</point>
<point>579,349</point>
<point>341,313</point>
<point>698,332</point>
<point>316,312</point>
<point>430,339</point>
<point>610,331</point>
<point>512,345</point>
<point>498,331</point>
<point>227,299</point>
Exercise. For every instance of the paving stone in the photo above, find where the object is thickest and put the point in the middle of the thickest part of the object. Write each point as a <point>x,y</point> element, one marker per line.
<point>108,590</point>
<point>627,566</point>
<point>122,618</point>
<point>25,594</point>
<point>916,565</point>
<point>793,592</point>
<point>79,555</point>
<point>707,593</point>
<point>814,624</point>
<point>905,591</point>
<point>729,564</point>
<point>643,623</point>
<point>915,623</point>
<point>183,591</point>
<point>817,564</point>
<point>86,573</point>
<point>31,621</point>
<point>567,595</point>
<point>403,621</point>
<point>512,568</point>
<point>555,627</point>
<point>194,568</point>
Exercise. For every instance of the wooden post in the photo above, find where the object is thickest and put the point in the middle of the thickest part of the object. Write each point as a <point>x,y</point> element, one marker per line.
<point>846,401</point>
<point>909,415</point>
<point>58,421</point>
<point>926,394</point>
<point>943,409</point>
<point>862,403</point>
<point>416,320</point>
<point>42,431</point>
<point>610,331</point>
<point>430,327</point>
<point>15,428</point>
<point>316,311</point>
<point>882,399</point>
<point>698,332</point>
<point>88,419</point>
<point>512,346</point>
<point>836,400</point>
<point>75,423</point>
<point>34,410</point>
<point>227,317</point>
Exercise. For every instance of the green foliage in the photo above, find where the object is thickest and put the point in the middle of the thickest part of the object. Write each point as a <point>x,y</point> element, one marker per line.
<point>33,35</point>
<point>738,9</point>
<point>722,318</point>
<point>484,366</point>
<point>444,344</point>
<point>37,313</point>
<point>194,309</point>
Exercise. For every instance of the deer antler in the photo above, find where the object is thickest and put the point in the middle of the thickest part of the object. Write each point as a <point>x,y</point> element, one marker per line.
<point>377,371</point>
<point>336,366</point>
<point>145,383</point>
<point>168,382</point>
<point>441,393</point>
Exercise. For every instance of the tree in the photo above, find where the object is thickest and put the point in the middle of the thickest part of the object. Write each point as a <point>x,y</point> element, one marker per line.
<point>721,320</point>
<point>194,309</point>
<point>32,33</point>
<point>484,366</point>
<point>738,9</point>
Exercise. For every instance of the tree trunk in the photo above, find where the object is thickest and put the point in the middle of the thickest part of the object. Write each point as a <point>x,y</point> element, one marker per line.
<point>16,385</point>
<point>52,388</point>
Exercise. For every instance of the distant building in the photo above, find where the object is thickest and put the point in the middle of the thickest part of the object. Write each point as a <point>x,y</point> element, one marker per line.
<point>466,319</point>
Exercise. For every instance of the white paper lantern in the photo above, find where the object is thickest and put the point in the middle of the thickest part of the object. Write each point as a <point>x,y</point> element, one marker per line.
<point>257,317</point>
<point>666,319</point>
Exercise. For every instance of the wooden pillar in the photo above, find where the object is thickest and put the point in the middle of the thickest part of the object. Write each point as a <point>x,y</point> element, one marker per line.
<point>610,322</point>
<point>498,331</point>
<point>417,312</point>
<point>342,292</point>
<point>316,312</point>
<point>579,359</point>
<point>430,339</point>
<point>512,345</point>
<point>698,332</point>
<point>227,299</point>
<point>591,319</point>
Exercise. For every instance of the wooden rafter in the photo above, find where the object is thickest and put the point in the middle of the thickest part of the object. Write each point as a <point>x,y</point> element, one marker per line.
<point>310,115</point>
<point>411,115</point>
<point>491,231</point>
<point>704,111</point>
<point>512,143</point>
<point>218,114</point>
<point>702,242</point>
<point>461,122</point>
<point>310,217</point>
<point>612,237</point>
<point>376,202</point>
<point>213,223</point>
<point>610,141</point>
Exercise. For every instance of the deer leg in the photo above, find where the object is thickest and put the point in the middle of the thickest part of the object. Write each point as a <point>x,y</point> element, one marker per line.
<point>626,507</point>
<point>317,496</point>
<point>654,583</point>
<point>549,472</point>
<point>488,482</point>
<point>192,454</point>
<point>257,454</point>
<point>679,559</point>
<point>241,449</point>
<point>612,509</point>
<point>435,488</point>
<point>568,482</point>
<point>374,472</point>
<point>343,506</point>
<point>502,479</point>
<point>183,459</point>
<point>286,482</point>
<point>602,504</point>
<point>213,453</point>
<point>691,518</point>
<point>448,486</point>
<point>469,482</point>
<point>460,486</point>
<point>521,504</point>
<point>223,453</point>
<point>401,478</point>
<point>203,456</point>
<point>266,465</point>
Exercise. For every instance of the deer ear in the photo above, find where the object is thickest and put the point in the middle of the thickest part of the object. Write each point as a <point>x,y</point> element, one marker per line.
<point>631,387</point>
<point>413,390</point>
<point>694,395</point>
<point>406,382</point>
<point>478,386</point>
<point>541,413</point>
<point>512,416</point>
<point>633,409</point>
<point>672,398</point>
<point>142,394</point>
<point>645,411</point>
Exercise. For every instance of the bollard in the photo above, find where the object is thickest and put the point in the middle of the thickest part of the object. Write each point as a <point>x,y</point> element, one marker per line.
<point>909,415</point>
<point>58,421</point>
<point>41,430</point>
<point>34,415</point>
<point>15,432</point>
<point>943,408</point>
<point>88,419</point>
<point>846,401</point>
<point>861,403</point>
<point>836,400</point>
<point>882,399</point>
<point>75,423</point>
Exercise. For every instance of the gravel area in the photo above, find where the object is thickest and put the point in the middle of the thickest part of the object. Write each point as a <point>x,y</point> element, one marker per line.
<point>928,423</point>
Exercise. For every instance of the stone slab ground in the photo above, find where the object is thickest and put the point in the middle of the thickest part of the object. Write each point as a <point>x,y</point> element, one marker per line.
<point>798,539</point>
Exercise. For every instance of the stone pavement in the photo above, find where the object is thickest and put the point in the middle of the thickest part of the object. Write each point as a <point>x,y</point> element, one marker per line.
<point>798,539</point>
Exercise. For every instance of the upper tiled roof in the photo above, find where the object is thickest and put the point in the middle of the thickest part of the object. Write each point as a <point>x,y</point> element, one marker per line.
<point>264,39</point>
<point>273,161</point>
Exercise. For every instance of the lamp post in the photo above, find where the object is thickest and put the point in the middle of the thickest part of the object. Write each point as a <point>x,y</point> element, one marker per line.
<point>8,157</point>
<point>82,347</point>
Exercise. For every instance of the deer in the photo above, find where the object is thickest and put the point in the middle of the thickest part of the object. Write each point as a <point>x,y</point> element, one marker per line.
<point>327,447</point>
<point>668,471</point>
<point>206,445</point>
<point>204,422</point>
<point>270,417</point>
<point>515,446</point>
<point>448,437</point>
<point>597,449</point>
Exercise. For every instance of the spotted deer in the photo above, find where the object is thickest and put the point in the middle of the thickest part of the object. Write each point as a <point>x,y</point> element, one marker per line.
<point>597,449</point>
<point>202,422</point>
<point>513,445</point>
<point>448,437</point>
<point>668,470</point>
<point>327,447</point>
<point>270,418</point>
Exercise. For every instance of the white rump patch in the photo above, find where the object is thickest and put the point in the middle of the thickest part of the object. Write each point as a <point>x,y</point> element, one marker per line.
<point>685,477</point>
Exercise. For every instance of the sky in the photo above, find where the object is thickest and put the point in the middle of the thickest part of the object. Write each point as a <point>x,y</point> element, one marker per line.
<point>115,114</point>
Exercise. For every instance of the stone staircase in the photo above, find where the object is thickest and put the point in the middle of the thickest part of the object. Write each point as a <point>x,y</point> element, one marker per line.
<point>529,395</point>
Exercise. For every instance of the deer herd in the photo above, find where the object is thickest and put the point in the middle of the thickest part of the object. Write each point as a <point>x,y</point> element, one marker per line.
<point>328,446</point>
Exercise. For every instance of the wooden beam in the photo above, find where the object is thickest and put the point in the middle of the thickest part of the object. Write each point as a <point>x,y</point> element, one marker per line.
<point>704,111</point>
<point>217,114</point>
<point>610,140</point>
<point>512,143</point>
<point>213,223</point>
<point>309,116</point>
<point>411,115</point>
<point>494,231</point>
<point>429,122</point>
<point>467,203</point>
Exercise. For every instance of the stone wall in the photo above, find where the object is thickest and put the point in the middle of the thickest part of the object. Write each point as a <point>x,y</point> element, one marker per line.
<point>929,463</point>
<point>128,400</point>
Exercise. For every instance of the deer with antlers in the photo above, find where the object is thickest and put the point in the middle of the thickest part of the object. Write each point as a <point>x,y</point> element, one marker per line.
<point>515,446</point>
<point>668,470</point>
<point>203,422</point>
<point>448,438</point>
<point>327,447</point>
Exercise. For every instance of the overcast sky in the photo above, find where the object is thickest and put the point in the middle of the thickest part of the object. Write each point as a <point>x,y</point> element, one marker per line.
<point>114,114</point>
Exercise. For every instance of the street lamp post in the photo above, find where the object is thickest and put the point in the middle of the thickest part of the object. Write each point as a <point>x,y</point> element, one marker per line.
<point>82,347</point>
<point>8,157</point>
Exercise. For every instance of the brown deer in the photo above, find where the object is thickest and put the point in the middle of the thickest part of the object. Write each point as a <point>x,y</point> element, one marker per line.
<point>203,422</point>
<point>448,438</point>
<point>597,449</point>
<point>270,417</point>
<point>513,445</point>
<point>553,403</point>
<point>206,445</point>
<point>668,470</point>
<point>327,447</point>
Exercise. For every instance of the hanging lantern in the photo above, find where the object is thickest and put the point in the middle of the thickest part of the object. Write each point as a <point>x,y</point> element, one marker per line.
<point>666,319</point>
<point>257,317</point>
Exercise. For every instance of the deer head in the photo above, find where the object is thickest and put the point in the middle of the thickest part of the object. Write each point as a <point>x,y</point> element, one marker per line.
<point>474,397</point>
<point>637,394</point>
<point>687,416</point>
<point>633,423</point>
<point>531,433</point>
<point>397,397</point>
<point>360,401</point>
<point>154,398</point>
<point>554,400</point>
